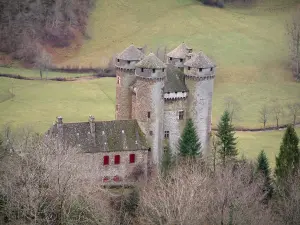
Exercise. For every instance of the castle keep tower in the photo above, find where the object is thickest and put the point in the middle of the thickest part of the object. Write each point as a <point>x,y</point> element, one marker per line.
<point>150,78</point>
<point>178,56</point>
<point>199,78</point>
<point>125,66</point>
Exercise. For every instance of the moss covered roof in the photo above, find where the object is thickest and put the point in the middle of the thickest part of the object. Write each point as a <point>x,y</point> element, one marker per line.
<point>131,53</point>
<point>199,60</point>
<point>151,62</point>
<point>180,52</point>
<point>174,82</point>
<point>114,135</point>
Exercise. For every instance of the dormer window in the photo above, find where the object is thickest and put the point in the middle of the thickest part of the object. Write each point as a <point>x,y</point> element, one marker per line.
<point>189,68</point>
<point>200,69</point>
<point>128,62</point>
<point>181,60</point>
<point>171,58</point>
<point>153,70</point>
<point>142,69</point>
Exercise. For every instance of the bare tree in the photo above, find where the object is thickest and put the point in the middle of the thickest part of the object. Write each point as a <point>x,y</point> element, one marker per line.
<point>264,113</point>
<point>233,107</point>
<point>214,151</point>
<point>277,112</point>
<point>44,184</point>
<point>43,62</point>
<point>190,196</point>
<point>294,109</point>
<point>293,30</point>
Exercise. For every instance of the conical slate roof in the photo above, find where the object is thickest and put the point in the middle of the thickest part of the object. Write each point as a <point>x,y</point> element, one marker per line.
<point>199,60</point>
<point>131,53</point>
<point>151,62</point>
<point>180,52</point>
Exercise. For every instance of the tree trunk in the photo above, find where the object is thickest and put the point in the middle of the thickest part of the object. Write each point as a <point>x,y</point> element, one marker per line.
<point>277,123</point>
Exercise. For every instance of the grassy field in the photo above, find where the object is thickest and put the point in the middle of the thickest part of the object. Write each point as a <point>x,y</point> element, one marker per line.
<point>251,143</point>
<point>37,103</point>
<point>36,73</point>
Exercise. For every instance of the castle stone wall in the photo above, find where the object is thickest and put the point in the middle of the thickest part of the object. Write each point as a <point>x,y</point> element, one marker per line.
<point>200,85</point>
<point>149,98</point>
<point>123,93</point>
<point>148,73</point>
<point>172,123</point>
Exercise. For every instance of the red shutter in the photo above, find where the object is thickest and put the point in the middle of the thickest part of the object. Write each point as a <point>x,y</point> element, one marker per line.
<point>116,178</point>
<point>106,160</point>
<point>105,179</point>
<point>117,159</point>
<point>132,158</point>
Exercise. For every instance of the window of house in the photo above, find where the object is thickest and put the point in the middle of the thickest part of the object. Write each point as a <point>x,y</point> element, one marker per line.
<point>142,69</point>
<point>106,160</point>
<point>181,114</point>
<point>200,69</point>
<point>181,60</point>
<point>151,132</point>
<point>189,68</point>
<point>167,134</point>
<point>170,58</point>
<point>118,80</point>
<point>149,114</point>
<point>128,62</point>
<point>153,70</point>
<point>117,159</point>
<point>132,158</point>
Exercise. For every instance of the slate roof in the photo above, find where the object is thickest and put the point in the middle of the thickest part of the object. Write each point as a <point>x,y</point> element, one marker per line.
<point>174,82</point>
<point>151,62</point>
<point>199,60</point>
<point>114,135</point>
<point>180,52</point>
<point>131,53</point>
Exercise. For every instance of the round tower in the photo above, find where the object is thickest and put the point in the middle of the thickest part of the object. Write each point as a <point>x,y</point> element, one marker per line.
<point>199,73</point>
<point>150,77</point>
<point>178,56</point>
<point>125,76</point>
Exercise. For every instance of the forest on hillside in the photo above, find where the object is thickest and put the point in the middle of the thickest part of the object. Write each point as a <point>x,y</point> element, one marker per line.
<point>28,25</point>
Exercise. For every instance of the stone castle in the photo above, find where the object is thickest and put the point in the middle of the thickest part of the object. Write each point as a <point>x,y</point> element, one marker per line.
<point>153,102</point>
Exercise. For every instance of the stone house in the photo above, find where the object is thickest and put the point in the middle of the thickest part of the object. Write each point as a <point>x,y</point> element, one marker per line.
<point>153,101</point>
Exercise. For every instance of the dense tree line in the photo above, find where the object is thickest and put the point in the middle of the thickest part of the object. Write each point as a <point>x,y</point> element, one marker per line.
<point>26,25</point>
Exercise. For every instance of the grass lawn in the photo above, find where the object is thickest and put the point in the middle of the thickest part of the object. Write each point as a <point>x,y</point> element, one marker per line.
<point>37,103</point>
<point>36,73</point>
<point>251,143</point>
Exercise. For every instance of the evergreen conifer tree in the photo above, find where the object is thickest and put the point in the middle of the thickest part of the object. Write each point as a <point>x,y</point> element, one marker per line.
<point>226,139</point>
<point>189,143</point>
<point>287,162</point>
<point>264,169</point>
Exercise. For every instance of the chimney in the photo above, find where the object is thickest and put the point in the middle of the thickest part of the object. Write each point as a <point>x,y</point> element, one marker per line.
<point>93,129</point>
